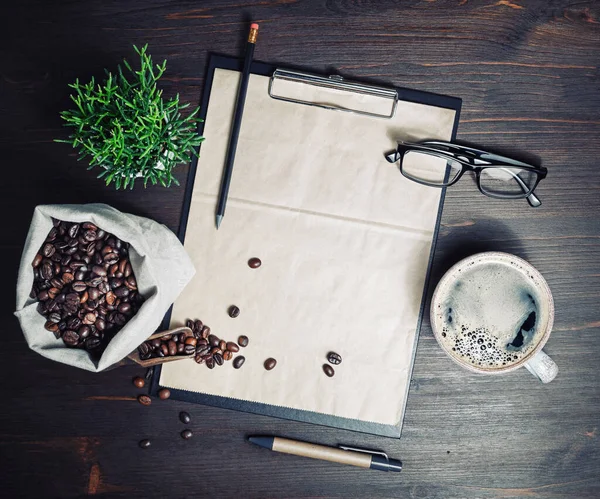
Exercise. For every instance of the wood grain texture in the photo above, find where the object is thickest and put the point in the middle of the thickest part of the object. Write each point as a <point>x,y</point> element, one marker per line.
<point>528,74</point>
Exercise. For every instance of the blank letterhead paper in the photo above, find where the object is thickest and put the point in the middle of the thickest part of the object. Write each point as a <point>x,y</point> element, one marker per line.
<point>345,242</point>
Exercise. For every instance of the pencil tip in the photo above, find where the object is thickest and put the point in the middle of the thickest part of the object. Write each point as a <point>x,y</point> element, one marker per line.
<point>266,442</point>
<point>218,220</point>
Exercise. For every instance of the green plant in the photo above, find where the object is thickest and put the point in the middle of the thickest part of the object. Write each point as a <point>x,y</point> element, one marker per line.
<point>126,128</point>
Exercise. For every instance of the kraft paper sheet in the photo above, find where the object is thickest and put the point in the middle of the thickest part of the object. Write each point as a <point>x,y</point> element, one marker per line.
<point>344,239</point>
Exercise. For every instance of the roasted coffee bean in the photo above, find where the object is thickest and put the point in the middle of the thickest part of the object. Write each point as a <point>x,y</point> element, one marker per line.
<point>160,353</point>
<point>112,270</point>
<point>270,363</point>
<point>120,319</point>
<point>328,370</point>
<point>94,293</point>
<point>124,308</point>
<point>187,349</point>
<point>186,434</point>
<point>199,359</point>
<point>144,348</point>
<point>111,298</point>
<point>144,444</point>
<point>43,295</point>
<point>115,283</point>
<point>218,359</point>
<point>48,250</point>
<point>239,361</point>
<point>227,355</point>
<point>190,340</point>
<point>130,283</point>
<point>89,318</point>
<point>233,311</point>
<point>222,345</point>
<point>74,323</point>
<point>57,283</point>
<point>73,230</point>
<point>243,341</point>
<point>232,347</point>
<point>121,266</point>
<point>201,342</point>
<point>103,287</point>
<point>121,292</point>
<point>79,286</point>
<point>100,324</point>
<point>215,350</point>
<point>144,399</point>
<point>198,325</point>
<point>190,323</point>
<point>79,275</point>
<point>53,293</point>
<point>166,337</point>
<point>164,393</point>
<point>98,270</point>
<point>213,341</point>
<point>128,270</point>
<point>172,346</point>
<point>205,333</point>
<point>210,362</point>
<point>254,263</point>
<point>51,326</point>
<point>84,332</point>
<point>139,382</point>
<point>37,261</point>
<point>203,350</point>
<point>334,358</point>
<point>94,281</point>
<point>156,343</point>
<point>181,348</point>
<point>111,258</point>
<point>84,297</point>
<point>90,235</point>
<point>70,337</point>
<point>47,271</point>
<point>54,317</point>
<point>184,417</point>
<point>164,349</point>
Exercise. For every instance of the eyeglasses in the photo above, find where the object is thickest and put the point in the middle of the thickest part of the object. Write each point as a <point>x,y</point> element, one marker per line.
<point>441,164</point>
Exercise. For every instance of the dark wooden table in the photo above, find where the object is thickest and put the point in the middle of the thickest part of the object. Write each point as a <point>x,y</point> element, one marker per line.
<point>528,76</point>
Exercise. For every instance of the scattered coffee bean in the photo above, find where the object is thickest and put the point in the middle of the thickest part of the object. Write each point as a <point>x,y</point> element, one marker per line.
<point>270,363</point>
<point>243,341</point>
<point>222,345</point>
<point>164,393</point>
<point>218,359</point>
<point>210,363</point>
<point>144,444</point>
<point>186,434</point>
<point>184,417</point>
<point>233,311</point>
<point>232,347</point>
<point>227,355</point>
<point>334,358</point>
<point>328,370</point>
<point>254,263</point>
<point>139,382</point>
<point>213,341</point>
<point>144,399</point>
<point>239,361</point>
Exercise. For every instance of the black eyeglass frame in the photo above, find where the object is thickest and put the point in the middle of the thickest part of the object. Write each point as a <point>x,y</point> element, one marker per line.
<point>470,159</point>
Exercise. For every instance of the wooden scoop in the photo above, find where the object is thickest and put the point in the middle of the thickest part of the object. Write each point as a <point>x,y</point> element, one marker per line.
<point>135,355</point>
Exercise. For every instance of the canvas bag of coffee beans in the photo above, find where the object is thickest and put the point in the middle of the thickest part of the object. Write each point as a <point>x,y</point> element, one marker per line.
<point>160,264</point>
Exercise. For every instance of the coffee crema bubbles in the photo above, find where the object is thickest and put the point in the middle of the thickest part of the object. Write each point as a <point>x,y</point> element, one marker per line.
<point>492,314</point>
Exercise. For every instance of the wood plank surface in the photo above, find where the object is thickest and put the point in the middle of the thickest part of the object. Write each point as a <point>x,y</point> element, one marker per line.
<point>528,74</point>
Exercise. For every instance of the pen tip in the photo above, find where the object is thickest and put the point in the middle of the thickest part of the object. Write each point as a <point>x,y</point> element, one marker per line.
<point>218,220</point>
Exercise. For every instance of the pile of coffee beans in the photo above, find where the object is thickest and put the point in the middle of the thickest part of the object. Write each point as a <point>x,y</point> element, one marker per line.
<point>212,350</point>
<point>168,346</point>
<point>85,285</point>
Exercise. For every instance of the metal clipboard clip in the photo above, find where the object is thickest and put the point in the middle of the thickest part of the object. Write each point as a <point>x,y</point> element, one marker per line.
<point>284,83</point>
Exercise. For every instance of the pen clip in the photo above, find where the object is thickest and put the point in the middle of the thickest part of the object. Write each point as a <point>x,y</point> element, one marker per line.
<point>366,451</point>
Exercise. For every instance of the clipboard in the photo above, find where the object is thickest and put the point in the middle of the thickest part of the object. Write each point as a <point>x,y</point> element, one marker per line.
<point>277,75</point>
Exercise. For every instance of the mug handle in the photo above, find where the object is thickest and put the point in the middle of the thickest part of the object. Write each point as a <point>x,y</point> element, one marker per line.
<point>542,367</point>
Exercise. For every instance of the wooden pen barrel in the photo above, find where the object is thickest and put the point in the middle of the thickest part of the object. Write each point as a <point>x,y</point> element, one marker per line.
<point>321,452</point>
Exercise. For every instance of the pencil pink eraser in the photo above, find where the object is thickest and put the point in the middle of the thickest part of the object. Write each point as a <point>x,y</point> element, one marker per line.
<point>254,26</point>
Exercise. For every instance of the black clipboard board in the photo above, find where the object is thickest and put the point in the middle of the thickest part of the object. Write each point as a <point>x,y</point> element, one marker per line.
<point>263,69</point>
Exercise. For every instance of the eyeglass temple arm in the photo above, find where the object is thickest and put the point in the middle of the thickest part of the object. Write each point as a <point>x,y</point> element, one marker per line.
<point>532,199</point>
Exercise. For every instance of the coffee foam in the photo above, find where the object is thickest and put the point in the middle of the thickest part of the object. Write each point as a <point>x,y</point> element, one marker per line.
<point>492,312</point>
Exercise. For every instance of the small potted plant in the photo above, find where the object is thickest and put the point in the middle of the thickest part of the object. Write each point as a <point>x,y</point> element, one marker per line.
<point>126,128</point>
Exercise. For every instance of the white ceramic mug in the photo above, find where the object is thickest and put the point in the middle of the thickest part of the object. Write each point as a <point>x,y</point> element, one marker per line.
<point>492,313</point>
